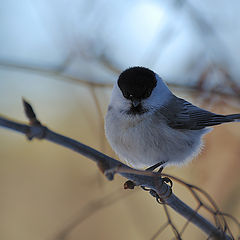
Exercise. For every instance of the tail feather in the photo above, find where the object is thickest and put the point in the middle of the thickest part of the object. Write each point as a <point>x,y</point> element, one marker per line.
<point>234,117</point>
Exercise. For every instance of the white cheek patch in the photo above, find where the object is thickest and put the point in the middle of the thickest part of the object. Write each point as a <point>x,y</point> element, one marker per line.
<point>158,97</point>
<point>118,101</point>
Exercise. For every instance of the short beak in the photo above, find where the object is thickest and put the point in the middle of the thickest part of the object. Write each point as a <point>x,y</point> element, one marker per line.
<point>135,102</point>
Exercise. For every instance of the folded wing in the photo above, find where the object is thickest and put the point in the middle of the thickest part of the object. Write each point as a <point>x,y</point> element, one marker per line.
<point>181,114</point>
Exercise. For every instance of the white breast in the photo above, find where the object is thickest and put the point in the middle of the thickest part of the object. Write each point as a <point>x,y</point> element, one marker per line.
<point>145,140</point>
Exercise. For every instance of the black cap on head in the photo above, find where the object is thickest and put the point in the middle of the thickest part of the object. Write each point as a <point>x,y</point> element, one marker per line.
<point>137,82</point>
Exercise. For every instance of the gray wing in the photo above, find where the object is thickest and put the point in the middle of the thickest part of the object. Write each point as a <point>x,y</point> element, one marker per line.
<point>181,114</point>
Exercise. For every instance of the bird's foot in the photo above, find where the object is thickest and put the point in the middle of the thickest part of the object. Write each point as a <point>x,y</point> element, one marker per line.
<point>153,193</point>
<point>167,181</point>
<point>152,168</point>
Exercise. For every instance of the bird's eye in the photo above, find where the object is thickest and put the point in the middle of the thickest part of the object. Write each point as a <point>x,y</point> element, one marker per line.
<point>147,93</point>
<point>126,95</point>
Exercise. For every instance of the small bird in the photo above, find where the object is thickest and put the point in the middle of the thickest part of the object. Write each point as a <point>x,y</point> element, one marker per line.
<point>149,127</point>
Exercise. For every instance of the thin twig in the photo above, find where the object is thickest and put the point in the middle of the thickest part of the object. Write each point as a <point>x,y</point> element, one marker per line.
<point>159,231</point>
<point>54,71</point>
<point>175,231</point>
<point>110,167</point>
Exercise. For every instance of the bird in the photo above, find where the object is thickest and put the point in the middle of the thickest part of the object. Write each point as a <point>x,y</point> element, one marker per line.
<point>148,126</point>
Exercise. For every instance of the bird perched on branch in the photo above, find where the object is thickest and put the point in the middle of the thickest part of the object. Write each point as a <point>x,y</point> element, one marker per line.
<point>148,126</point>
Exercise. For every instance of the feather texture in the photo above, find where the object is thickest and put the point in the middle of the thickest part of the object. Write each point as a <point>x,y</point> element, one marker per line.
<point>181,114</point>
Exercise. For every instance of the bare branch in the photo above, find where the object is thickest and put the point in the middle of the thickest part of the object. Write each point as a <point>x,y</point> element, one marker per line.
<point>54,72</point>
<point>110,167</point>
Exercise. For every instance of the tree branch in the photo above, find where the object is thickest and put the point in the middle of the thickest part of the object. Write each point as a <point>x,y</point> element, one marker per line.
<point>110,167</point>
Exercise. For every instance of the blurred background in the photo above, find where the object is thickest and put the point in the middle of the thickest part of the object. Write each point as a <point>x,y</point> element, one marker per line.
<point>64,56</point>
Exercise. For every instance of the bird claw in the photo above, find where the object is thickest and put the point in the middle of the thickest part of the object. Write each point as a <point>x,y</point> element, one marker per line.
<point>167,180</point>
<point>154,193</point>
<point>145,189</point>
<point>156,196</point>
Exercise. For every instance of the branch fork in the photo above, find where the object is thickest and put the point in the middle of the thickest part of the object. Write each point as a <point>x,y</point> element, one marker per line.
<point>150,181</point>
